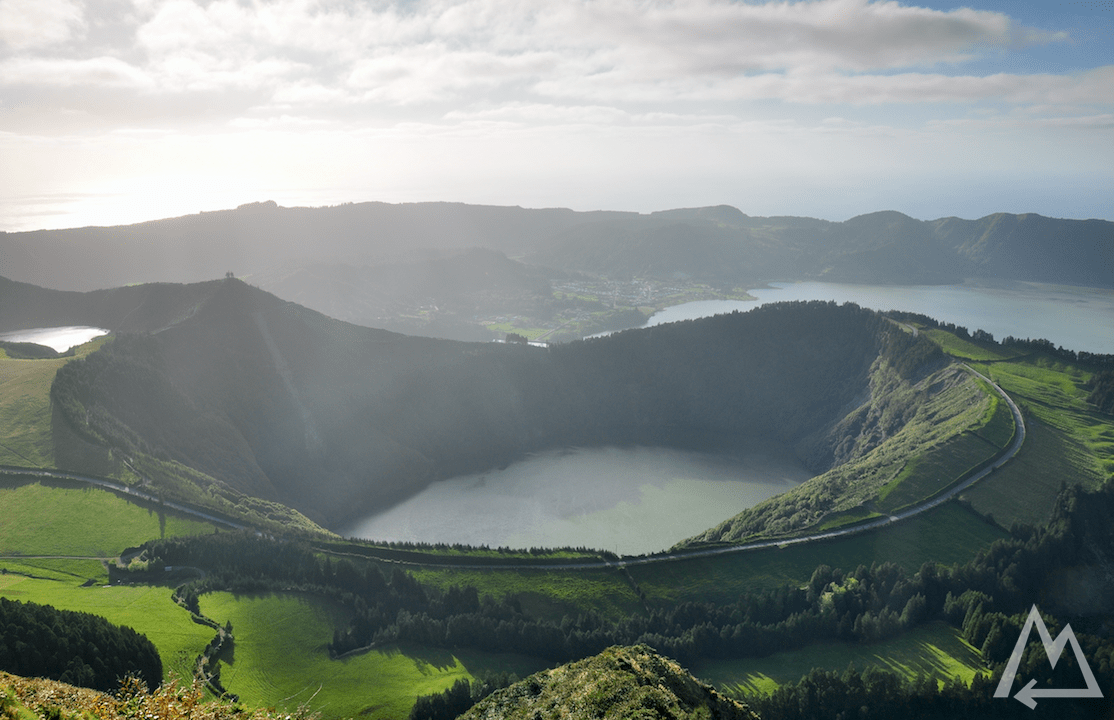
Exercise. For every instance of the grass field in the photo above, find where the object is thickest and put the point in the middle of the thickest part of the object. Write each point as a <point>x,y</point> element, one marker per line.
<point>146,609</point>
<point>948,534</point>
<point>280,660</point>
<point>933,472</point>
<point>25,415</point>
<point>545,593</point>
<point>1066,441</point>
<point>935,650</point>
<point>37,519</point>
<point>968,349</point>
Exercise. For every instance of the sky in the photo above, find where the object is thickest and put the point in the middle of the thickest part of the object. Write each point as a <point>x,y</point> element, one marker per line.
<point>118,111</point>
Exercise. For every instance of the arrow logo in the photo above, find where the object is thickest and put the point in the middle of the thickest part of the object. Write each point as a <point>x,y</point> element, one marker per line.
<point>1028,695</point>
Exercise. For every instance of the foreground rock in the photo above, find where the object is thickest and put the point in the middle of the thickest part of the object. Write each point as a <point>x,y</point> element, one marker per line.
<point>620,682</point>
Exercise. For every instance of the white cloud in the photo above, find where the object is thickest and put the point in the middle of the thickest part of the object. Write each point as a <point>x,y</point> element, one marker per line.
<point>28,24</point>
<point>94,72</point>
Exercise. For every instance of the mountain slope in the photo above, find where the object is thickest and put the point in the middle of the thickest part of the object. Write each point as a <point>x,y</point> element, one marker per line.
<point>259,236</point>
<point>632,682</point>
<point>334,419</point>
<point>717,244</point>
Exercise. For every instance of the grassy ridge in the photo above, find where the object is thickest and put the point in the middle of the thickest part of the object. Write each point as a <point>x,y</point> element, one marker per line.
<point>956,458</point>
<point>948,534</point>
<point>25,413</point>
<point>146,609</point>
<point>932,473</point>
<point>280,660</point>
<point>935,650</point>
<point>39,520</point>
<point>968,349</point>
<point>1066,441</point>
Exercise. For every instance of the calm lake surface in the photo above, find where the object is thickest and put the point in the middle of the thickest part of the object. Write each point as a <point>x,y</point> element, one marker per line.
<point>59,338</point>
<point>1073,317</point>
<point>639,500</point>
<point>627,500</point>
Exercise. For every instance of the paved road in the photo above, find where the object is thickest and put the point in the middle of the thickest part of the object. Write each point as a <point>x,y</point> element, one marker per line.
<point>1015,446</point>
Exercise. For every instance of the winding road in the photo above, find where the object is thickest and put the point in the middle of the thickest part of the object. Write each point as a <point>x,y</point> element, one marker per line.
<point>935,501</point>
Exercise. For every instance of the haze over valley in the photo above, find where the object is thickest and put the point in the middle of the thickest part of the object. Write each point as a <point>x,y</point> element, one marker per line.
<point>454,359</point>
<point>681,457</point>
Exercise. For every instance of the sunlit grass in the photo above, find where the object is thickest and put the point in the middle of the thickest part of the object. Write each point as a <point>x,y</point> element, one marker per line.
<point>146,609</point>
<point>36,519</point>
<point>545,593</point>
<point>280,660</point>
<point>936,650</point>
<point>948,534</point>
<point>25,414</point>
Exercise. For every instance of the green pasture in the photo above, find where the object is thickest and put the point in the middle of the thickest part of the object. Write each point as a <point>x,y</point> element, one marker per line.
<point>947,534</point>
<point>25,415</point>
<point>79,570</point>
<point>934,650</point>
<point>932,473</point>
<point>998,425</point>
<point>279,659</point>
<point>969,349</point>
<point>1053,393</point>
<point>144,608</point>
<point>1066,441</point>
<point>544,593</point>
<point>38,519</point>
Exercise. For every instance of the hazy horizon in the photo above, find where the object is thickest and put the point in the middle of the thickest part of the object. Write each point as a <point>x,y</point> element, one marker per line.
<point>114,114</point>
<point>548,207</point>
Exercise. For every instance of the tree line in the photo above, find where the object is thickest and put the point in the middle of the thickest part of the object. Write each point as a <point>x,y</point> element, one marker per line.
<point>73,647</point>
<point>987,597</point>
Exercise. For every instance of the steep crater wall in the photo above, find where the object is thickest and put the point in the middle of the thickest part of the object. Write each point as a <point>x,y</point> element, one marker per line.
<point>336,420</point>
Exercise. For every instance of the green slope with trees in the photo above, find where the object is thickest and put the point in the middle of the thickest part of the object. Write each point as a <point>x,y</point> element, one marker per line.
<point>284,404</point>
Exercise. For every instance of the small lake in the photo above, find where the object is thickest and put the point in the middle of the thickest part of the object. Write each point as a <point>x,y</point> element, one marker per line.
<point>60,339</point>
<point>628,500</point>
<point>1076,318</point>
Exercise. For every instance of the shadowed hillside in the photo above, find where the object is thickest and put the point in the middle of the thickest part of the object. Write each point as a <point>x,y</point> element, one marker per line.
<point>714,244</point>
<point>722,245</point>
<point>284,403</point>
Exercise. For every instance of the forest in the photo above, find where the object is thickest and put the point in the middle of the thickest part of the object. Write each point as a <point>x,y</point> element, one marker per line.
<point>988,598</point>
<point>75,648</point>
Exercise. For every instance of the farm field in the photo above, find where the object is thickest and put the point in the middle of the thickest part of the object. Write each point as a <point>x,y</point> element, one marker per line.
<point>280,660</point>
<point>934,650</point>
<point>41,519</point>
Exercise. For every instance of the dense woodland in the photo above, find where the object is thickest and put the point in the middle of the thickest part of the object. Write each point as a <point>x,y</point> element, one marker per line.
<point>73,647</point>
<point>1101,386</point>
<point>988,598</point>
<point>263,395</point>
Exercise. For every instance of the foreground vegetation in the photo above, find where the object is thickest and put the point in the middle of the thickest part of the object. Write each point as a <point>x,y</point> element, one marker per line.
<point>34,699</point>
<point>951,583</point>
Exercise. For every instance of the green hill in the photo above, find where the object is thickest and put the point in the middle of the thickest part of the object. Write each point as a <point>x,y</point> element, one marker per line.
<point>632,682</point>
<point>282,403</point>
